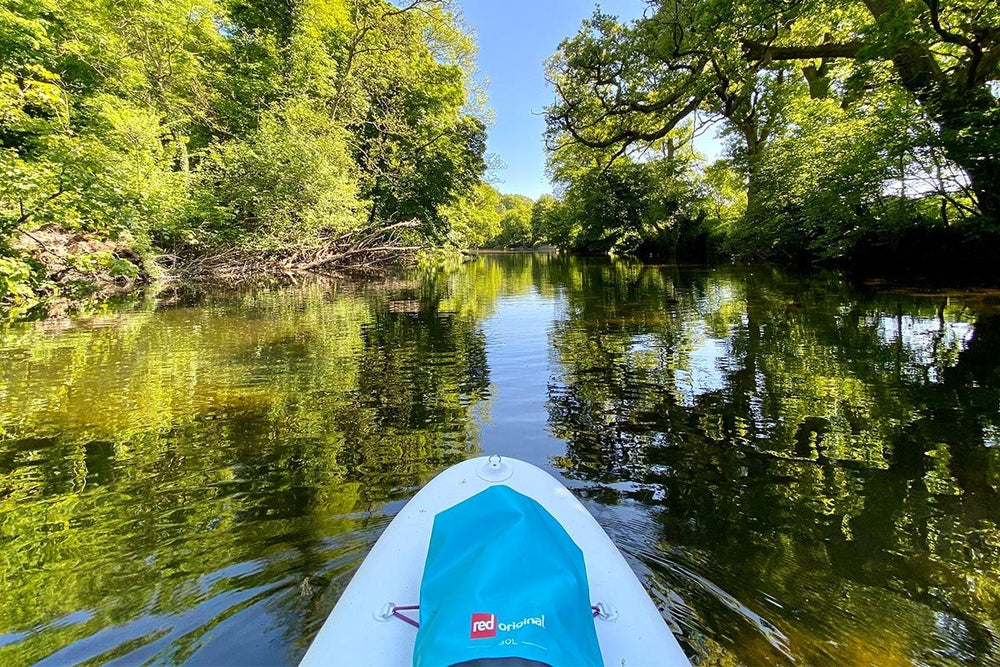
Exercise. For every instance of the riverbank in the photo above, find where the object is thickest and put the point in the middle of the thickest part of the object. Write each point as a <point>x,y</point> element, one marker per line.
<point>63,274</point>
<point>919,253</point>
<point>54,272</point>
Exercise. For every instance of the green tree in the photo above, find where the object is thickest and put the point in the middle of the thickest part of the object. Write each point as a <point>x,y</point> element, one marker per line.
<point>291,180</point>
<point>474,220</point>
<point>621,88</point>
<point>193,126</point>
<point>543,218</point>
<point>402,90</point>
<point>841,99</point>
<point>946,54</point>
<point>648,203</point>
<point>515,222</point>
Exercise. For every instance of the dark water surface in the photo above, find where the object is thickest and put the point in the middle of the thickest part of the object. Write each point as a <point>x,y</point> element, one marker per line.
<point>799,471</point>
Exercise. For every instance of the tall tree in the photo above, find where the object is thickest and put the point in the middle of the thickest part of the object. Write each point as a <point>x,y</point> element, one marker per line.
<point>620,87</point>
<point>946,53</point>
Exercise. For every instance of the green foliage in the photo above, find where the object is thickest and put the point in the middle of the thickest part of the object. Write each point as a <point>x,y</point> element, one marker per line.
<point>293,178</point>
<point>545,224</point>
<point>194,124</point>
<point>515,222</point>
<point>103,262</point>
<point>726,200</point>
<point>826,179</point>
<point>488,219</point>
<point>15,281</point>
<point>650,203</point>
<point>137,179</point>
<point>403,89</point>
<point>846,123</point>
<point>474,220</point>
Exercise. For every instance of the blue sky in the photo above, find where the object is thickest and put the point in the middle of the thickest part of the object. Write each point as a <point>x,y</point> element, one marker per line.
<point>515,37</point>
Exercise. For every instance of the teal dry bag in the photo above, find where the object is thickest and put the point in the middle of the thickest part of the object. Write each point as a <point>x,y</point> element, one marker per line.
<point>504,584</point>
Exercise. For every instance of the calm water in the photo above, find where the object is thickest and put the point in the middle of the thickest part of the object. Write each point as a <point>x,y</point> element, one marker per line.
<point>799,471</point>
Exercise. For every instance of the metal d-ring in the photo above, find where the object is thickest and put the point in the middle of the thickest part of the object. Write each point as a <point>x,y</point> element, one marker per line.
<point>494,469</point>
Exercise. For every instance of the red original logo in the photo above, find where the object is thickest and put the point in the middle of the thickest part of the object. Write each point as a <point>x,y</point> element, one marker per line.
<point>483,626</point>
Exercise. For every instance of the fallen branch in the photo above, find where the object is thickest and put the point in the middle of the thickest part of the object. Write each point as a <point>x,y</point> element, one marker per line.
<point>366,250</point>
<point>394,250</point>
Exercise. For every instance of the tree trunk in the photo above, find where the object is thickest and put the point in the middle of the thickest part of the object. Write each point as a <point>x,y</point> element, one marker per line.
<point>818,80</point>
<point>968,131</point>
<point>984,178</point>
<point>754,149</point>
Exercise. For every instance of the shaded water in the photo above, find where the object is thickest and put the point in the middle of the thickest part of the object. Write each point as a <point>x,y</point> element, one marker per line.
<point>799,471</point>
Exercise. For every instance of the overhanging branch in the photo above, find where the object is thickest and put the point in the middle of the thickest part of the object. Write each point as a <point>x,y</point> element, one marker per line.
<point>759,51</point>
<point>627,136</point>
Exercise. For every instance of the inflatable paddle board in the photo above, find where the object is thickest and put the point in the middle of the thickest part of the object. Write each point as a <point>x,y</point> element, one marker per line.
<point>494,562</point>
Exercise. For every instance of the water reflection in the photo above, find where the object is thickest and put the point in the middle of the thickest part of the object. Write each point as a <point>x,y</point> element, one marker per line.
<point>798,453</point>
<point>170,477</point>
<point>800,471</point>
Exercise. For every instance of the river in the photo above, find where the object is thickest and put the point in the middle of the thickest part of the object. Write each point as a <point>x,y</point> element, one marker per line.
<point>800,470</point>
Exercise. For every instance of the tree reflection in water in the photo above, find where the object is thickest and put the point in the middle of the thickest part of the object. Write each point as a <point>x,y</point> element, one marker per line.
<point>799,470</point>
<point>826,457</point>
<point>196,483</point>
